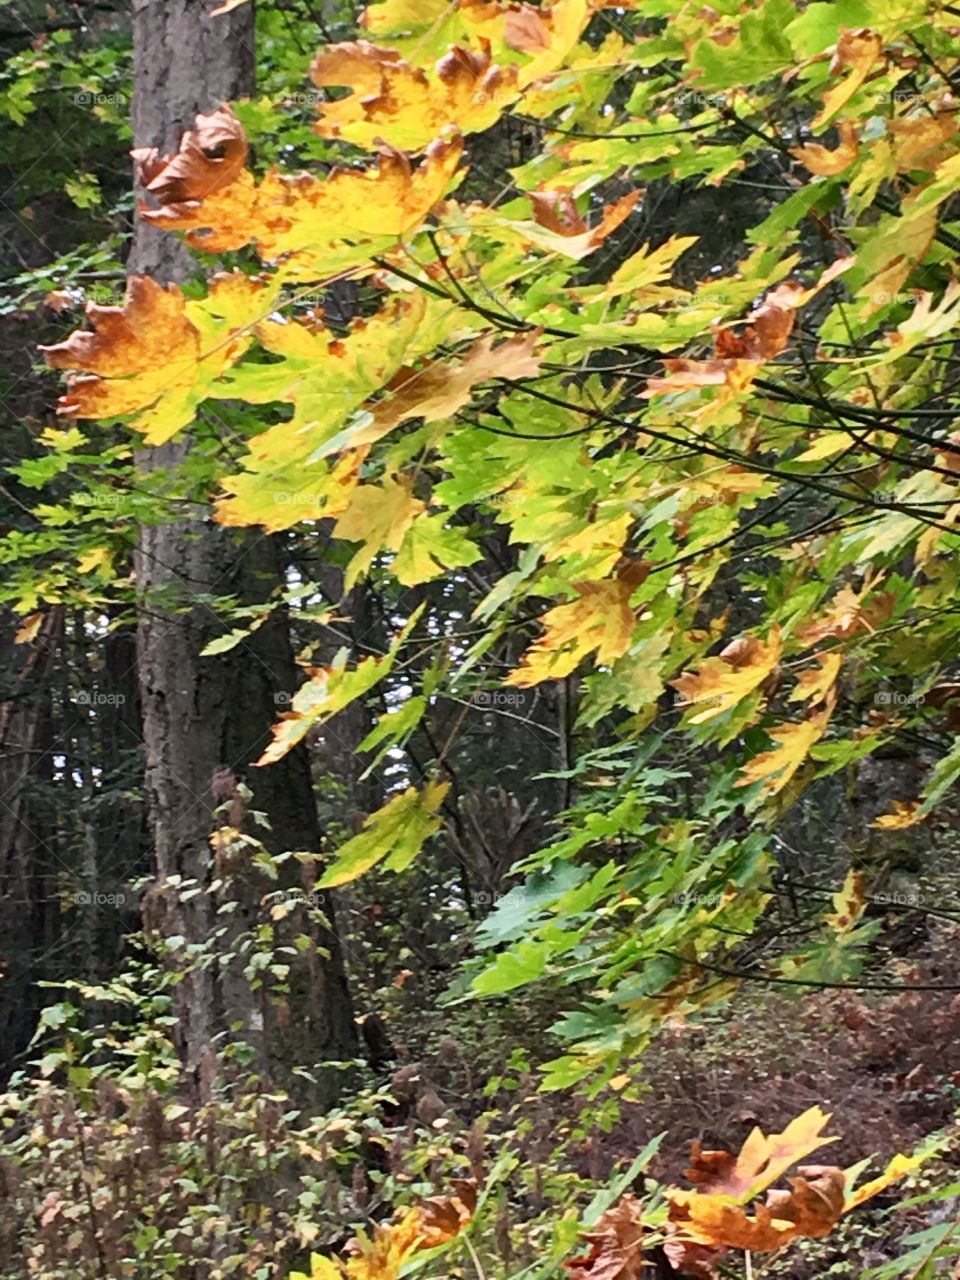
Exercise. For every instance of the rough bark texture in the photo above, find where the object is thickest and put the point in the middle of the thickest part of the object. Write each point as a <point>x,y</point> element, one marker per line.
<point>206,719</point>
<point>30,915</point>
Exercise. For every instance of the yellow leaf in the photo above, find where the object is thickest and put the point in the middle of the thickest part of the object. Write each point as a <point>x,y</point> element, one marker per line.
<point>393,99</point>
<point>29,629</point>
<point>906,813</point>
<point>775,768</point>
<point>97,558</point>
<point>825,163</point>
<point>720,683</point>
<point>393,835</point>
<point>826,445</point>
<point>328,691</point>
<point>900,1166</point>
<point>318,226</point>
<point>816,682</point>
<point>849,904</point>
<point>157,355</point>
<point>572,237</point>
<point>857,51</point>
<point>761,1160</point>
<point>378,517</point>
<point>288,495</point>
<point>438,389</point>
<point>599,619</point>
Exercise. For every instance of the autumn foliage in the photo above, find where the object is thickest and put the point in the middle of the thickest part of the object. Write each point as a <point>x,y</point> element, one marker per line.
<point>715,478</point>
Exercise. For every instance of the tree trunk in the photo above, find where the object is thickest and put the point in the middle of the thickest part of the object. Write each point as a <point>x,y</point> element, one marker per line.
<point>30,866</point>
<point>206,719</point>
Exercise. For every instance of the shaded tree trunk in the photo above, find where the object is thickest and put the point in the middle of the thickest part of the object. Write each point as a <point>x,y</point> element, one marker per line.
<point>30,868</point>
<point>207,719</point>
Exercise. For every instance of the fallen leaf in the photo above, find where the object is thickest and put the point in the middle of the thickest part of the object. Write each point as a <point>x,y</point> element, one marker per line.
<point>615,1243</point>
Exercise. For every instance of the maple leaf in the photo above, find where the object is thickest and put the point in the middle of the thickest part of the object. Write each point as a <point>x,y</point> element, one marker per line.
<point>439,388</point>
<point>739,357</point>
<point>543,37</point>
<point>599,619</point>
<point>393,835</point>
<point>435,1222</point>
<point>29,628</point>
<point>325,377</point>
<point>810,1209</point>
<point>442,1218</point>
<point>849,903</point>
<point>775,768</point>
<point>899,1167</point>
<point>720,683</point>
<point>905,813</point>
<point>919,143</point>
<point>317,227</point>
<point>286,495</point>
<point>848,616</point>
<point>559,228</point>
<point>328,691</point>
<point>856,51</point>
<point>615,1245</point>
<point>159,354</point>
<point>212,155</point>
<point>398,102</point>
<point>378,517</point>
<point>815,683</point>
<point>761,1160</point>
<point>704,1224</point>
<point>825,163</point>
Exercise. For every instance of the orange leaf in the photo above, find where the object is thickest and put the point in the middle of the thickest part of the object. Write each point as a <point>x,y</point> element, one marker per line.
<point>394,100</point>
<point>444,1217</point>
<point>599,619</point>
<point>211,156</point>
<point>318,225</point>
<point>615,1245</point>
<point>857,51</point>
<point>775,768</point>
<point>825,163</point>
<point>847,616</point>
<point>720,683</point>
<point>440,388</point>
<point>157,355</point>
<point>906,813</point>
<point>761,1159</point>
<point>810,1209</point>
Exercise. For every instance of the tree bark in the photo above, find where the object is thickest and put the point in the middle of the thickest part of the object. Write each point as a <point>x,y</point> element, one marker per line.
<point>207,719</point>
<point>30,867</point>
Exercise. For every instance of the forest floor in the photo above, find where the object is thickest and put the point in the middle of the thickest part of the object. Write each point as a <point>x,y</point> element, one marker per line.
<point>885,1064</point>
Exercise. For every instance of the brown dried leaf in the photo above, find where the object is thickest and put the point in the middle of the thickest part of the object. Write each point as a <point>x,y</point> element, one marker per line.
<point>615,1245</point>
